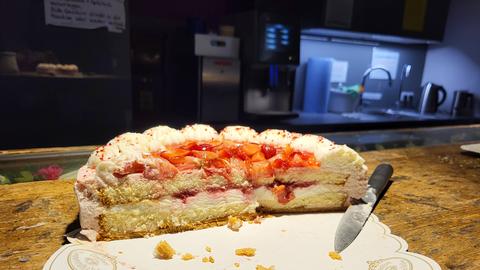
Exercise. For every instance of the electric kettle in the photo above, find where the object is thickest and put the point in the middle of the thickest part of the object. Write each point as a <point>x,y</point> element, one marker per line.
<point>429,100</point>
<point>463,103</point>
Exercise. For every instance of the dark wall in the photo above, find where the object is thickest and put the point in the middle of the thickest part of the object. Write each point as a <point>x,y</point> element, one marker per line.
<point>42,111</point>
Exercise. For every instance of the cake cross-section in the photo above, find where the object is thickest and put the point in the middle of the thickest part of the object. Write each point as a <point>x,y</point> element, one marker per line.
<point>168,180</point>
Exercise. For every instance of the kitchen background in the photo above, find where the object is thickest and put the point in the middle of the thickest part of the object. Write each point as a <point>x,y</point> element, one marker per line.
<point>147,74</point>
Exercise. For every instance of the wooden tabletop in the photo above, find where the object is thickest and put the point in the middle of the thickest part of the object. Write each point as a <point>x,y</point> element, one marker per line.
<point>433,203</point>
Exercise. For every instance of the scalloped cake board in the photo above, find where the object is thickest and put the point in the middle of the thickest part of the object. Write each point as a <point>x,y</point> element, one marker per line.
<point>475,148</point>
<point>288,242</point>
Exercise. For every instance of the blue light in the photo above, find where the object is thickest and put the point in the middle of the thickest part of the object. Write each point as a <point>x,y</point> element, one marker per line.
<point>270,41</point>
<point>271,46</point>
<point>285,42</point>
<point>271,29</point>
<point>285,31</point>
<point>285,37</point>
<point>279,26</point>
<point>270,35</point>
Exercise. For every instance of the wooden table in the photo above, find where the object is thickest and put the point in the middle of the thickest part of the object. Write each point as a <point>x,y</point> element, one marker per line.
<point>433,203</point>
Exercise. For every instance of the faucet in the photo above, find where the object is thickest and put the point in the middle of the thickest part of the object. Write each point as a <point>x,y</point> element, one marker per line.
<point>405,73</point>
<point>364,79</point>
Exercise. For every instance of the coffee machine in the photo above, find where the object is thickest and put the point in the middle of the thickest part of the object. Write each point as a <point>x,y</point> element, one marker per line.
<point>270,45</point>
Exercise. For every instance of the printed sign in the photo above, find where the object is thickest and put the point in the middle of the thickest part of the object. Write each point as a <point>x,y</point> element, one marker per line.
<point>86,14</point>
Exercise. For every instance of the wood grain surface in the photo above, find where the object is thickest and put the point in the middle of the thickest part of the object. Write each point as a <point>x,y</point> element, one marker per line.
<point>433,203</point>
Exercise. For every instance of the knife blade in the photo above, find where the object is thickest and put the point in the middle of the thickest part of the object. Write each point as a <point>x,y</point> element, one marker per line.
<point>356,215</point>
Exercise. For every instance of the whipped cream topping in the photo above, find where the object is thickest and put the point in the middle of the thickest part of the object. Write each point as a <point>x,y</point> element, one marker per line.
<point>121,149</point>
<point>130,147</point>
<point>199,132</point>
<point>275,137</point>
<point>162,136</point>
<point>239,134</point>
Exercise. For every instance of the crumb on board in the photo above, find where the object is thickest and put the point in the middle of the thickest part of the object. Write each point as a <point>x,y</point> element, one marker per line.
<point>187,256</point>
<point>237,265</point>
<point>261,267</point>
<point>249,252</point>
<point>234,223</point>
<point>257,220</point>
<point>335,255</point>
<point>208,249</point>
<point>164,251</point>
<point>209,259</point>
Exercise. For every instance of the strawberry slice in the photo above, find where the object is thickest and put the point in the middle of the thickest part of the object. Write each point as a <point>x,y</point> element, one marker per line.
<point>164,170</point>
<point>172,153</point>
<point>225,153</point>
<point>207,155</point>
<point>250,149</point>
<point>131,167</point>
<point>280,164</point>
<point>259,156</point>
<point>187,163</point>
<point>202,147</point>
<point>296,161</point>
<point>268,151</point>
<point>287,152</point>
<point>218,166</point>
<point>259,170</point>
<point>283,193</point>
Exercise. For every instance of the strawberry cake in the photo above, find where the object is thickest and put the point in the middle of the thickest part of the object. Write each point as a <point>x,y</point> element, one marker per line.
<point>168,180</point>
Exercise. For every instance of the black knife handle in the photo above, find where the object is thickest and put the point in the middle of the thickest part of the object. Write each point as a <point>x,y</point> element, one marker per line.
<point>380,177</point>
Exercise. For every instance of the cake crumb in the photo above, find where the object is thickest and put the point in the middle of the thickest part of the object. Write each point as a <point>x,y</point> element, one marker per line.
<point>249,252</point>
<point>261,267</point>
<point>237,265</point>
<point>164,251</point>
<point>335,255</point>
<point>234,223</point>
<point>208,249</point>
<point>257,220</point>
<point>209,259</point>
<point>187,257</point>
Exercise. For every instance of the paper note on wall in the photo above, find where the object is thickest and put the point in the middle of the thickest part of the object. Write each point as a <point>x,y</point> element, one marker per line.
<point>86,14</point>
<point>387,59</point>
<point>339,71</point>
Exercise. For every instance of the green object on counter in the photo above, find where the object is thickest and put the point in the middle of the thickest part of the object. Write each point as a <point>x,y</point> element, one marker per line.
<point>4,180</point>
<point>25,176</point>
<point>352,89</point>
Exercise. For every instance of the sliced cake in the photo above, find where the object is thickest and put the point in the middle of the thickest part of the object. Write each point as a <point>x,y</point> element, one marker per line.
<point>168,180</point>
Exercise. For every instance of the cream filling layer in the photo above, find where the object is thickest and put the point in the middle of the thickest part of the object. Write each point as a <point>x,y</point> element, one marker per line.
<point>149,216</point>
<point>308,198</point>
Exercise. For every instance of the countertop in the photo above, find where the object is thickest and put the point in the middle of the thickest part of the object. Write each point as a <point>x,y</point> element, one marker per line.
<point>333,122</point>
<point>433,204</point>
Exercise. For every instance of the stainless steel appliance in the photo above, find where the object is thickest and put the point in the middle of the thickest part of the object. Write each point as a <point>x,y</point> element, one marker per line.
<point>270,46</point>
<point>429,100</point>
<point>463,103</point>
<point>219,78</point>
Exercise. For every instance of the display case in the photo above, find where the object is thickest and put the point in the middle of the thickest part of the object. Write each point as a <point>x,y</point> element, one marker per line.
<point>18,166</point>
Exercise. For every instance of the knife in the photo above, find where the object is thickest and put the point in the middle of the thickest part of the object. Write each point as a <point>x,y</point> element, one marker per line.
<point>356,215</point>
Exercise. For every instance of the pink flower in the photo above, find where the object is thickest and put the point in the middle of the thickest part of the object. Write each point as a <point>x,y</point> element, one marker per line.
<point>51,172</point>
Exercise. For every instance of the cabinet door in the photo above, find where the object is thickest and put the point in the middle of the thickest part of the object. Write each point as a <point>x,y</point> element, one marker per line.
<point>423,19</point>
